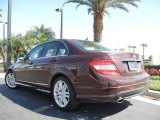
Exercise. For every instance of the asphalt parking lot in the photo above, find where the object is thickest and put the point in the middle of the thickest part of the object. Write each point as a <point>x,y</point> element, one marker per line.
<point>28,104</point>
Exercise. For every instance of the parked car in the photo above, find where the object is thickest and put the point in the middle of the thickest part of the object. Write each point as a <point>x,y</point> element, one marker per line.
<point>75,71</point>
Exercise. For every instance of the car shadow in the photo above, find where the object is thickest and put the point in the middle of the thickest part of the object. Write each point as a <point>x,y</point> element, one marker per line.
<point>41,103</point>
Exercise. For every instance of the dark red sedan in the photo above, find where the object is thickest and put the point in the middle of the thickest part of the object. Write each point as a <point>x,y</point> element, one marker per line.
<point>77,71</point>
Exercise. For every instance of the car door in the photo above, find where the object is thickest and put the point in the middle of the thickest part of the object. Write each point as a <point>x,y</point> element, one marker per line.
<point>48,62</point>
<point>25,70</point>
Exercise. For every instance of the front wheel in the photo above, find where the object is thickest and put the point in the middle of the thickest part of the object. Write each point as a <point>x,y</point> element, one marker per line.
<point>63,93</point>
<point>10,80</point>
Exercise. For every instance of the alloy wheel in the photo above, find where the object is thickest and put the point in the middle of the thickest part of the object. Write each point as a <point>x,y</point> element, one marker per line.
<point>10,80</point>
<point>61,93</point>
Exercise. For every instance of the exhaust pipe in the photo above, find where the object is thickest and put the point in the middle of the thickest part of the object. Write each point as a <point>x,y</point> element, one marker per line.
<point>120,100</point>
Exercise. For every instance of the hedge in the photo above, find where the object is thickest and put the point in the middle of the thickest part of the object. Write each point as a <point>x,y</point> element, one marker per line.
<point>152,66</point>
<point>152,69</point>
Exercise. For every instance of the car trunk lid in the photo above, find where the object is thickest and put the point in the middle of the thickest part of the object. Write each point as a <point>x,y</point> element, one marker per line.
<point>127,63</point>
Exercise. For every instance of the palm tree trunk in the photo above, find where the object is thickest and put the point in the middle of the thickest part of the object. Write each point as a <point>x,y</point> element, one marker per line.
<point>98,27</point>
<point>16,56</point>
<point>143,53</point>
<point>25,52</point>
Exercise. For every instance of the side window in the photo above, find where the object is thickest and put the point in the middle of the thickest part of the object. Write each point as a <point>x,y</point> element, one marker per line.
<point>36,53</point>
<point>54,49</point>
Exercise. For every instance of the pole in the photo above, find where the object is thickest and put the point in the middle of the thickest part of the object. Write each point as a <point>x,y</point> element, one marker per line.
<point>61,35</point>
<point>4,31</point>
<point>143,53</point>
<point>9,34</point>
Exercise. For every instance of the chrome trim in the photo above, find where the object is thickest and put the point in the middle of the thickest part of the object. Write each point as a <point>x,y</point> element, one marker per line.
<point>19,83</point>
<point>34,83</point>
<point>42,90</point>
<point>131,60</point>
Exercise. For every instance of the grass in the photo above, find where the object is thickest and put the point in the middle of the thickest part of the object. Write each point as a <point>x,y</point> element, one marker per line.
<point>154,83</point>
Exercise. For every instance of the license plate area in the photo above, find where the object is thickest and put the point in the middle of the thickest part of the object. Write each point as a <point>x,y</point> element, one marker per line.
<point>133,66</point>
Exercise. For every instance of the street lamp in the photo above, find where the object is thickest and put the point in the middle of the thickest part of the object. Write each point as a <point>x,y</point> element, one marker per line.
<point>9,33</point>
<point>4,23</point>
<point>61,30</point>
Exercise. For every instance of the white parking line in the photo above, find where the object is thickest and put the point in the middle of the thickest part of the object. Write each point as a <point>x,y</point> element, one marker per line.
<point>155,102</point>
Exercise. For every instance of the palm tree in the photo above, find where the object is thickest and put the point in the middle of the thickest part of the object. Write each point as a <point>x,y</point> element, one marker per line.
<point>144,45</point>
<point>133,47</point>
<point>98,8</point>
<point>122,49</point>
<point>2,53</point>
<point>16,43</point>
<point>129,48</point>
<point>0,13</point>
<point>28,42</point>
<point>42,34</point>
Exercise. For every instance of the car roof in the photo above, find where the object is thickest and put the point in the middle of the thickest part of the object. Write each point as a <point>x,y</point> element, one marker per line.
<point>65,40</point>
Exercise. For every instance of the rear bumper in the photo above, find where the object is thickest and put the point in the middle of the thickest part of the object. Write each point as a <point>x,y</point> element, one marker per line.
<point>112,93</point>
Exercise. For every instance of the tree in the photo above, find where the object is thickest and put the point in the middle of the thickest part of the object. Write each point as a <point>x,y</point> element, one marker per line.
<point>42,34</point>
<point>16,43</point>
<point>133,47</point>
<point>2,53</point>
<point>143,45</point>
<point>129,48</point>
<point>28,42</point>
<point>98,8</point>
<point>0,13</point>
<point>122,49</point>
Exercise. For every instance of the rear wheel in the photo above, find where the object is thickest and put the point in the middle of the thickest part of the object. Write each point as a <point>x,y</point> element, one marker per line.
<point>64,97</point>
<point>10,80</point>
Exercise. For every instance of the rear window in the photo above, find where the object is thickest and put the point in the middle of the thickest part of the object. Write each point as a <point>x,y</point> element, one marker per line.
<point>90,46</point>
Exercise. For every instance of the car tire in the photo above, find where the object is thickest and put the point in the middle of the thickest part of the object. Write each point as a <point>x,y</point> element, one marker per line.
<point>64,97</point>
<point>10,80</point>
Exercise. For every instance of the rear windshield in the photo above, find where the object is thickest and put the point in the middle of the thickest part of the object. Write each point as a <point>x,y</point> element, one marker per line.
<point>90,46</point>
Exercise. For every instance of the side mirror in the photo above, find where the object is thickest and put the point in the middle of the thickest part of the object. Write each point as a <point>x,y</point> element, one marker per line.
<point>20,59</point>
<point>26,57</point>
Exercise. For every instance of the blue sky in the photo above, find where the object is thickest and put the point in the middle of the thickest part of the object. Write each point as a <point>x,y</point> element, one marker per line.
<point>140,25</point>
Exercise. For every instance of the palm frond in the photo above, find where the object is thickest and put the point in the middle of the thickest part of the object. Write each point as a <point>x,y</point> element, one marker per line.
<point>0,13</point>
<point>89,10</point>
<point>116,2</point>
<point>80,2</point>
<point>120,6</point>
<point>107,13</point>
<point>134,4</point>
<point>79,5</point>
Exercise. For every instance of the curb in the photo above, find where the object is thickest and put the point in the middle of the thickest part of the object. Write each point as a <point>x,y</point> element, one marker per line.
<point>151,94</point>
<point>153,91</point>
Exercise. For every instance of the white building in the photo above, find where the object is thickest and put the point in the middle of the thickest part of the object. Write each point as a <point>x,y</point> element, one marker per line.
<point>156,59</point>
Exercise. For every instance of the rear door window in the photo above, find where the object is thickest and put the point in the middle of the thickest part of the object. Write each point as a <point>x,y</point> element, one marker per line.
<point>55,48</point>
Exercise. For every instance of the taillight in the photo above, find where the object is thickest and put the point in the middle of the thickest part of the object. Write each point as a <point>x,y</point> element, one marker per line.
<point>105,67</point>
